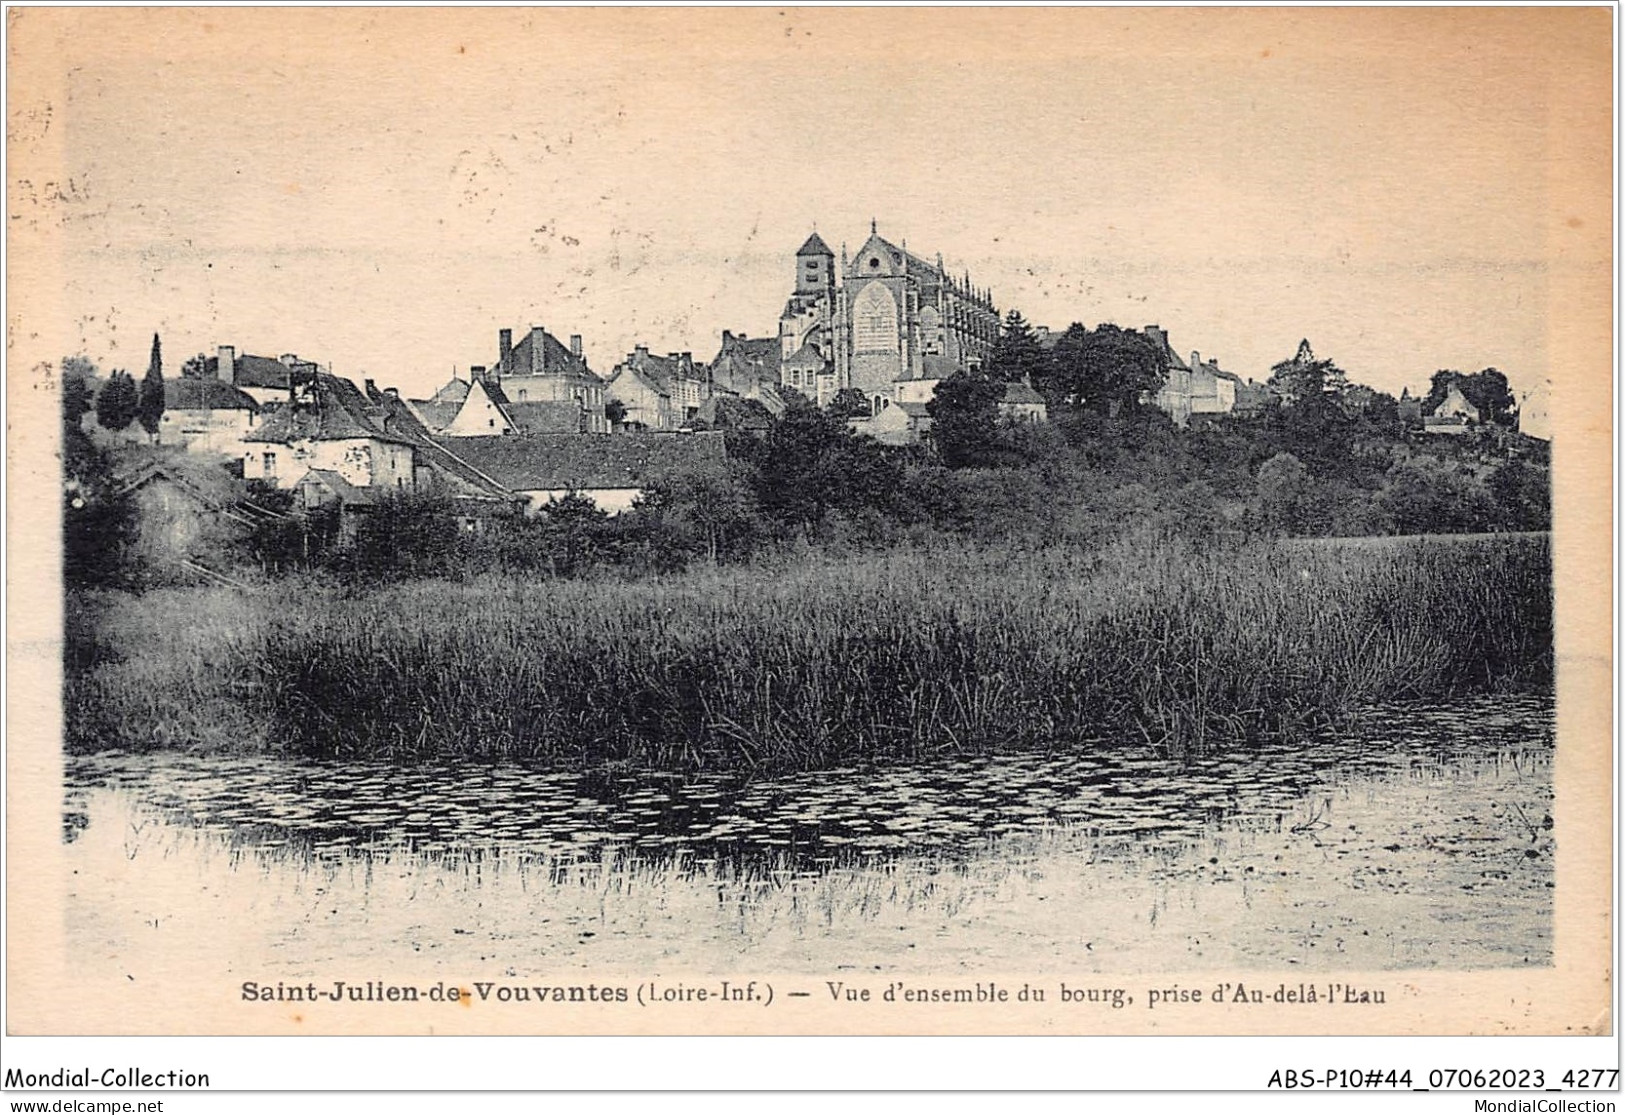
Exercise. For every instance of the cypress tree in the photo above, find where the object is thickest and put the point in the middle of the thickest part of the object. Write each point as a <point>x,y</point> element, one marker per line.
<point>150,407</point>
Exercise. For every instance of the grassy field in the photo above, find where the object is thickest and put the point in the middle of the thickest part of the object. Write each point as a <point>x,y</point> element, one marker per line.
<point>803,664</point>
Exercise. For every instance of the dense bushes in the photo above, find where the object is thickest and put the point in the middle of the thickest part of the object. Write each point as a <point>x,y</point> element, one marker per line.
<point>821,660</point>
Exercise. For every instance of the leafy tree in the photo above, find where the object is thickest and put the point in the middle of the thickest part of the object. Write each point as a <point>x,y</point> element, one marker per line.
<point>76,395</point>
<point>965,418</point>
<point>705,510</point>
<point>1306,380</point>
<point>1017,356</point>
<point>98,520</point>
<point>1489,392</point>
<point>1285,495</point>
<point>574,534</point>
<point>1108,371</point>
<point>849,402</point>
<point>1523,492</point>
<point>407,534</point>
<point>810,464</point>
<point>1423,497</point>
<point>196,367</point>
<point>117,402</point>
<point>615,411</point>
<point>150,404</point>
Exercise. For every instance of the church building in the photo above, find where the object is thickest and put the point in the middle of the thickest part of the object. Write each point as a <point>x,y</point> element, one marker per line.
<point>885,316</point>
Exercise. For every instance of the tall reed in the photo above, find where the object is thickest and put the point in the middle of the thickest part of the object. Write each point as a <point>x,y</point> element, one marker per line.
<point>895,657</point>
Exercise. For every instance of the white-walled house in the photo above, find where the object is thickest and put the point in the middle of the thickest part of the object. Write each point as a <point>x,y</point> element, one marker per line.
<point>331,425</point>
<point>206,416</point>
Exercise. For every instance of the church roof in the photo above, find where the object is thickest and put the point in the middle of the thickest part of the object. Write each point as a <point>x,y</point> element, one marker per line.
<point>815,246</point>
<point>898,260</point>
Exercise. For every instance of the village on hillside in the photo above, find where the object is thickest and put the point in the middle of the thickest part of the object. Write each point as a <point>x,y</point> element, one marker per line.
<point>869,341</point>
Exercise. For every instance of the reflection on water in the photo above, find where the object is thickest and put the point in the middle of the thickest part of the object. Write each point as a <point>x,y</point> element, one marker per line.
<point>1441,814</point>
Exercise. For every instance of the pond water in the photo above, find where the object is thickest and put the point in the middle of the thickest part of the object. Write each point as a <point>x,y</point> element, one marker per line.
<point>1423,837</point>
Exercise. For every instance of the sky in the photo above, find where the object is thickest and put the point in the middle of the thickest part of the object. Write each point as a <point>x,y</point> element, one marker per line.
<point>382,190</point>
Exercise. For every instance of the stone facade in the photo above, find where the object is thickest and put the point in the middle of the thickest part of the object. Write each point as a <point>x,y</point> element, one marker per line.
<point>884,316</point>
<point>540,369</point>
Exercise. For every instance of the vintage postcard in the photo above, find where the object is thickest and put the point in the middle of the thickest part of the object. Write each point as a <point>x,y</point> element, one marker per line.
<point>830,521</point>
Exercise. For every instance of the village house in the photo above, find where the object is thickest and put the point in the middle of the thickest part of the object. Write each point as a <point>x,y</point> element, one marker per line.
<point>189,511</point>
<point>1455,415</point>
<point>745,363</point>
<point>540,369</point>
<point>613,472</point>
<point>206,416</point>
<point>1194,389</point>
<point>439,410</point>
<point>658,392</point>
<point>329,424</point>
<point>904,419</point>
<point>261,378</point>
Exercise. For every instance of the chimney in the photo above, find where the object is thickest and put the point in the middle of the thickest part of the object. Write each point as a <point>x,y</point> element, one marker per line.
<point>575,345</point>
<point>505,350</point>
<point>1196,360</point>
<point>476,372</point>
<point>370,387</point>
<point>538,350</point>
<point>393,392</point>
<point>641,353</point>
<point>227,361</point>
<point>727,336</point>
<point>289,359</point>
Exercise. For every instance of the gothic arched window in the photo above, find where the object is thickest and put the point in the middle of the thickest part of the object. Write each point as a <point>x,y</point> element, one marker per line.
<point>874,320</point>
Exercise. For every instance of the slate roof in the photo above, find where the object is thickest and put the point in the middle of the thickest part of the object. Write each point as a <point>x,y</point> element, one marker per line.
<point>400,418</point>
<point>348,494</point>
<point>205,394</point>
<point>730,412</point>
<point>555,358</point>
<point>559,462</point>
<point>454,391</point>
<point>336,411</point>
<point>545,417</point>
<point>815,246</point>
<point>435,416</point>
<point>914,410</point>
<point>256,371</point>
<point>1020,393</point>
<point>747,358</point>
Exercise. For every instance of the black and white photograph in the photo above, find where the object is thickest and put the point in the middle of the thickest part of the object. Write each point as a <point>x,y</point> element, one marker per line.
<point>810,521</point>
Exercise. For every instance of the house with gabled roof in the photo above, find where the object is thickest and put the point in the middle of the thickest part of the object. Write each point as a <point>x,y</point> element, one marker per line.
<point>188,513</point>
<point>206,415</point>
<point>611,471</point>
<point>329,424</point>
<point>540,369</point>
<point>658,392</point>
<point>262,378</point>
<point>744,362</point>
